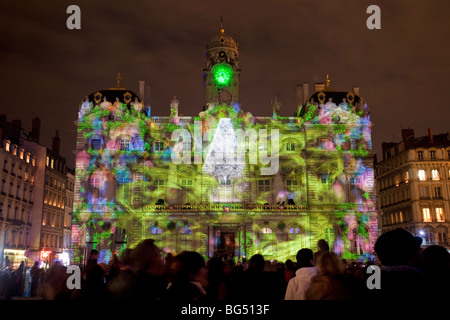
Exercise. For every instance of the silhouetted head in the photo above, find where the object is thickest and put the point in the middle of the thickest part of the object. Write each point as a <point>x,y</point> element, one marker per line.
<point>329,264</point>
<point>147,258</point>
<point>397,247</point>
<point>304,258</point>
<point>323,245</point>
<point>256,263</point>
<point>436,258</point>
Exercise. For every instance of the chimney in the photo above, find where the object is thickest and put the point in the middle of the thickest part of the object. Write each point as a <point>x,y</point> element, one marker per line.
<point>430,134</point>
<point>56,142</point>
<point>356,91</point>
<point>16,128</point>
<point>407,136</point>
<point>35,129</point>
<point>319,86</point>
<point>141,90</point>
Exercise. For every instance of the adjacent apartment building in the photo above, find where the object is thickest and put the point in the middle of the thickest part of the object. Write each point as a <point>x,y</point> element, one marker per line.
<point>413,186</point>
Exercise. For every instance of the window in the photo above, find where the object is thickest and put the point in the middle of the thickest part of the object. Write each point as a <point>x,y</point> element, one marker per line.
<point>290,146</point>
<point>435,174</point>
<point>186,183</point>
<point>264,185</point>
<point>437,192</point>
<point>266,230</point>
<point>291,185</point>
<point>21,154</point>
<point>96,144</point>
<point>426,214</point>
<point>7,145</point>
<point>422,175</point>
<point>155,230</point>
<point>295,230</point>
<point>424,192</point>
<point>433,155</point>
<point>420,155</point>
<point>440,215</point>
<point>159,146</point>
<point>225,182</point>
<point>124,143</point>
<point>28,157</point>
<point>52,163</point>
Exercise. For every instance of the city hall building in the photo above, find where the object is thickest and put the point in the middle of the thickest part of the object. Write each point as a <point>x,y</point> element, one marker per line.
<point>224,181</point>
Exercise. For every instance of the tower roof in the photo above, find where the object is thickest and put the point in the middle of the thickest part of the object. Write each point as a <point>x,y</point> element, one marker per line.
<point>221,40</point>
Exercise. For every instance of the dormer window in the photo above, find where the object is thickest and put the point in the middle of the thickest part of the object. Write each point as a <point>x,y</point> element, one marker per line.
<point>433,155</point>
<point>7,145</point>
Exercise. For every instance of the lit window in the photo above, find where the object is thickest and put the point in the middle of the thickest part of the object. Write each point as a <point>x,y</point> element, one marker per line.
<point>266,230</point>
<point>406,176</point>
<point>397,180</point>
<point>47,162</point>
<point>21,153</point>
<point>422,175</point>
<point>7,145</point>
<point>52,163</point>
<point>33,161</point>
<point>426,215</point>
<point>28,157</point>
<point>401,216</point>
<point>156,230</point>
<point>435,174</point>
<point>440,215</point>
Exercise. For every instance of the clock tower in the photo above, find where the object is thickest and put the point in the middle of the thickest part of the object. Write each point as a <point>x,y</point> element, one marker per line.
<point>221,75</point>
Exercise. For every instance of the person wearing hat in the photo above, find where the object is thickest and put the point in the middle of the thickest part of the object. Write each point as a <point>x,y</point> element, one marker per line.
<point>400,279</point>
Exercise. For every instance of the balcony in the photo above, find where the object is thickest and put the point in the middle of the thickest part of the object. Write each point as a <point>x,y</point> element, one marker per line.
<point>234,207</point>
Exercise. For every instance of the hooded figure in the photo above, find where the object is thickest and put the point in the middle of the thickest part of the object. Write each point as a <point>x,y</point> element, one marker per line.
<point>298,285</point>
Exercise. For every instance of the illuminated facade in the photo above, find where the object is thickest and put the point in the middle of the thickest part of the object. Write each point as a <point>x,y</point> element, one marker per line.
<point>413,183</point>
<point>224,181</point>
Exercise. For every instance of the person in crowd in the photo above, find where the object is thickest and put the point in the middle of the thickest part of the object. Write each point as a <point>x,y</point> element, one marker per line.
<point>54,286</point>
<point>289,270</point>
<point>322,246</point>
<point>329,283</point>
<point>218,271</point>
<point>436,268</point>
<point>260,282</point>
<point>141,275</point>
<point>189,278</point>
<point>35,273</point>
<point>94,287</point>
<point>400,279</point>
<point>298,285</point>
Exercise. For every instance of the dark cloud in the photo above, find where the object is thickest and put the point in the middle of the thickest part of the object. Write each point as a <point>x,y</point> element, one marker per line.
<point>402,69</point>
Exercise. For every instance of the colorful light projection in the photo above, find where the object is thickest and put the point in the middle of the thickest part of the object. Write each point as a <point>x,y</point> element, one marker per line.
<point>126,178</point>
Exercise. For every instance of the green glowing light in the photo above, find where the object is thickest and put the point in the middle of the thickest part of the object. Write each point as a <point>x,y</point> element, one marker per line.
<point>222,74</point>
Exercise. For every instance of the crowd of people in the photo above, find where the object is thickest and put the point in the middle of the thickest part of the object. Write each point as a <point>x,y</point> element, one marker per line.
<point>407,271</point>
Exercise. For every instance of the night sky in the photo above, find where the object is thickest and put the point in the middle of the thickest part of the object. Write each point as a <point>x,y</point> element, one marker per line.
<point>403,70</point>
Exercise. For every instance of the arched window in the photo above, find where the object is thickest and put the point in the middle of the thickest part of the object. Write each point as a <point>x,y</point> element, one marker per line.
<point>156,230</point>
<point>266,230</point>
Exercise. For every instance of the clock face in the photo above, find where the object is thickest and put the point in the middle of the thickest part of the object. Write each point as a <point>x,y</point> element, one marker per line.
<point>222,74</point>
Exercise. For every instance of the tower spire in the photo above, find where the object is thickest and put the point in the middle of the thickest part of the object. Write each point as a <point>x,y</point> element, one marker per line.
<point>222,30</point>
